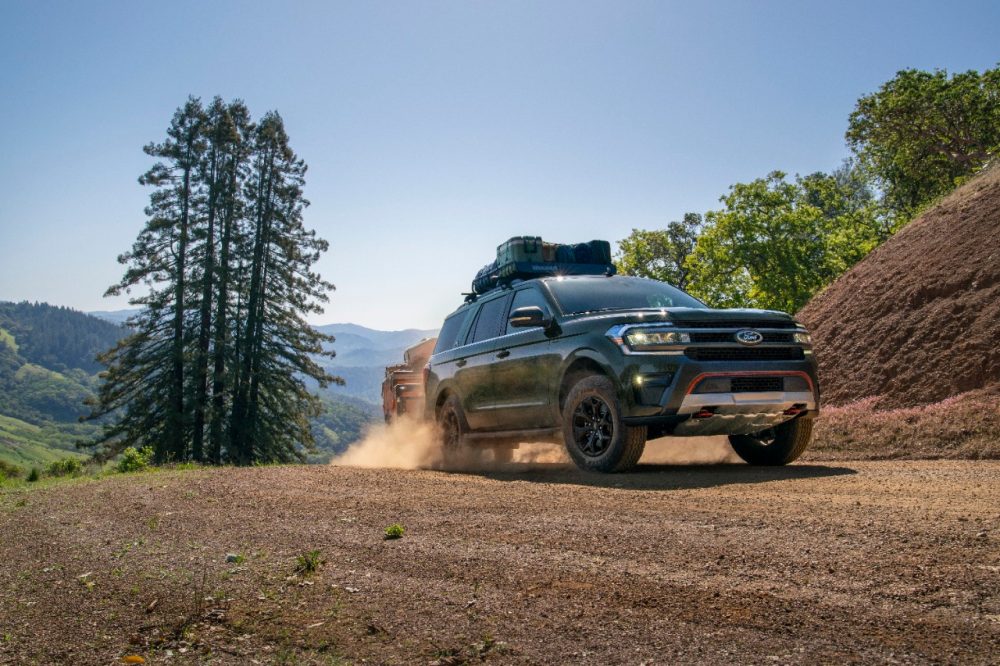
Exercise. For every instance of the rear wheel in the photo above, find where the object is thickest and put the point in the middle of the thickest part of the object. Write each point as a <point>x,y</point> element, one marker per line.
<point>452,425</point>
<point>779,445</point>
<point>596,437</point>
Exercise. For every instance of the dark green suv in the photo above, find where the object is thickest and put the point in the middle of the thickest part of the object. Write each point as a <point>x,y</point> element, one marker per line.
<point>602,363</point>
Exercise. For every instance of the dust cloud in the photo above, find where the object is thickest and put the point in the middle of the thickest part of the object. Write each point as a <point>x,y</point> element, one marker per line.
<point>689,451</point>
<point>406,443</point>
<point>410,443</point>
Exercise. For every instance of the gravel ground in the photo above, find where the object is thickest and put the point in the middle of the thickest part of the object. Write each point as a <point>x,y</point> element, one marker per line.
<point>841,562</point>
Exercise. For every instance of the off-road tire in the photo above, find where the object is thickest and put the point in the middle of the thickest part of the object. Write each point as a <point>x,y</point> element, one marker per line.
<point>779,446</point>
<point>453,428</point>
<point>592,417</point>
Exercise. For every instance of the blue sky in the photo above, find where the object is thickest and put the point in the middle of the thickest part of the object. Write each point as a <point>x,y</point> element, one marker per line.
<point>435,130</point>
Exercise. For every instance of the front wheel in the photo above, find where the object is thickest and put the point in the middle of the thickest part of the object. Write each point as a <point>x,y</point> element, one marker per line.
<point>596,437</point>
<point>779,445</point>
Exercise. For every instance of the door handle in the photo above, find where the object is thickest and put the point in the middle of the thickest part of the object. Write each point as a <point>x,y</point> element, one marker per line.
<point>503,353</point>
<point>461,362</point>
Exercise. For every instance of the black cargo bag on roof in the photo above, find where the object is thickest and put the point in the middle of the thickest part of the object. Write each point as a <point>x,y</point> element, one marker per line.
<point>600,251</point>
<point>486,278</point>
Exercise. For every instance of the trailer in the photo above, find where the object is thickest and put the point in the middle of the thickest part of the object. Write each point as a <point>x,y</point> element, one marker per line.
<point>403,386</point>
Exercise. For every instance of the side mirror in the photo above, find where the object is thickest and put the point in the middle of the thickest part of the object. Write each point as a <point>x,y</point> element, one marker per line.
<point>529,316</point>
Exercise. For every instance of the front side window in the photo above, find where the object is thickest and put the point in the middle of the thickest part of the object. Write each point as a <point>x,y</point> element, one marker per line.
<point>526,298</point>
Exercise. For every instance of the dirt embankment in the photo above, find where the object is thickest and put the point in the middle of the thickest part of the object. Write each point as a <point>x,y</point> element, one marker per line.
<point>909,339</point>
<point>840,563</point>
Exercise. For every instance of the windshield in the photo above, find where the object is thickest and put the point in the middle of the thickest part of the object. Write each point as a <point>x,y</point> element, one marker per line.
<point>617,293</point>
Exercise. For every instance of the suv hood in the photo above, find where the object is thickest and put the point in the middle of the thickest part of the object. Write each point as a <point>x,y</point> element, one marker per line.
<point>681,315</point>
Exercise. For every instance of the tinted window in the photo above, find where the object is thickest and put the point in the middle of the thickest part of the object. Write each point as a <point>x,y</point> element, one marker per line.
<point>525,298</point>
<point>449,332</point>
<point>491,319</point>
<point>617,293</point>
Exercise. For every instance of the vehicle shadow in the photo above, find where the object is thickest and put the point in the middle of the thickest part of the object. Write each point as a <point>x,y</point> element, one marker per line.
<point>659,476</point>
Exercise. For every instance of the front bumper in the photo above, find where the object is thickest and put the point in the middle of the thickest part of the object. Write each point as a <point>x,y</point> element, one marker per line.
<point>678,405</point>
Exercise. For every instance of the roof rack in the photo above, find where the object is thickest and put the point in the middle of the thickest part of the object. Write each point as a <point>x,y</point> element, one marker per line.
<point>516,272</point>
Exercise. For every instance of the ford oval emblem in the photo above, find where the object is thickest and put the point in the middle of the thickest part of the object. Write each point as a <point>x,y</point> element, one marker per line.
<point>749,337</point>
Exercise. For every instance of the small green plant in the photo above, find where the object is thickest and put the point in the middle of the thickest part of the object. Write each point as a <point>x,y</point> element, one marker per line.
<point>395,531</point>
<point>308,562</point>
<point>34,475</point>
<point>135,460</point>
<point>64,467</point>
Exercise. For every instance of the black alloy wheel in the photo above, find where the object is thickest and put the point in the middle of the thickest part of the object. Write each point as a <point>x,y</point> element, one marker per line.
<point>594,432</point>
<point>779,445</point>
<point>451,431</point>
<point>593,427</point>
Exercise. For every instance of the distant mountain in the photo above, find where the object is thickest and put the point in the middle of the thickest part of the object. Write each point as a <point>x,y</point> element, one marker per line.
<point>58,338</point>
<point>363,354</point>
<point>381,339</point>
<point>114,316</point>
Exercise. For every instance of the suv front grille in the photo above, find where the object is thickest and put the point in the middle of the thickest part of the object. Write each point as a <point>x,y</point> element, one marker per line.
<point>744,353</point>
<point>734,323</point>
<point>728,336</point>
<point>756,384</point>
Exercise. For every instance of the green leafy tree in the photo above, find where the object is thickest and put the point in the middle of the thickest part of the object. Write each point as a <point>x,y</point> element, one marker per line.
<point>922,133</point>
<point>660,254</point>
<point>777,242</point>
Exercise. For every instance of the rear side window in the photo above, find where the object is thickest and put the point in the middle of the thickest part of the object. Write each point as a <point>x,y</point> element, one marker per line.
<point>450,330</point>
<point>491,319</point>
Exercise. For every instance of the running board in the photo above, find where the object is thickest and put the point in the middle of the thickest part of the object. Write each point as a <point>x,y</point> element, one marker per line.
<point>513,436</point>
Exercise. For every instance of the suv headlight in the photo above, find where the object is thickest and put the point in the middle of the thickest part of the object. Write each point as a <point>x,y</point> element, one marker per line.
<point>637,338</point>
<point>655,338</point>
<point>801,338</point>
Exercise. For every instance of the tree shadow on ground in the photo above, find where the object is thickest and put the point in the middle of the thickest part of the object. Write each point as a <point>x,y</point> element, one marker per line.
<point>659,477</point>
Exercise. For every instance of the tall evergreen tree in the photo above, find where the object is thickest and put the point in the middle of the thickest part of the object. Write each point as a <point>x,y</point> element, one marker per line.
<point>221,349</point>
<point>235,171</point>
<point>276,343</point>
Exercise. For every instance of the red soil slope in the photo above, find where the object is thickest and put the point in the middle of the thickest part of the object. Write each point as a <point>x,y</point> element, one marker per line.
<point>918,320</point>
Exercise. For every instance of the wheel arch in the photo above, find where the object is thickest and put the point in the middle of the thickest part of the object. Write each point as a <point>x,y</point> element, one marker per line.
<point>584,362</point>
<point>443,394</point>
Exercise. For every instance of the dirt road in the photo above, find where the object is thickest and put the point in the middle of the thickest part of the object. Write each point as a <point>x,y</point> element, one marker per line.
<point>887,562</point>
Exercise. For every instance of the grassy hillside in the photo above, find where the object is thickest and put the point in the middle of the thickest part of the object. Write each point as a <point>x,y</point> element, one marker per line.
<point>27,445</point>
<point>47,370</point>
